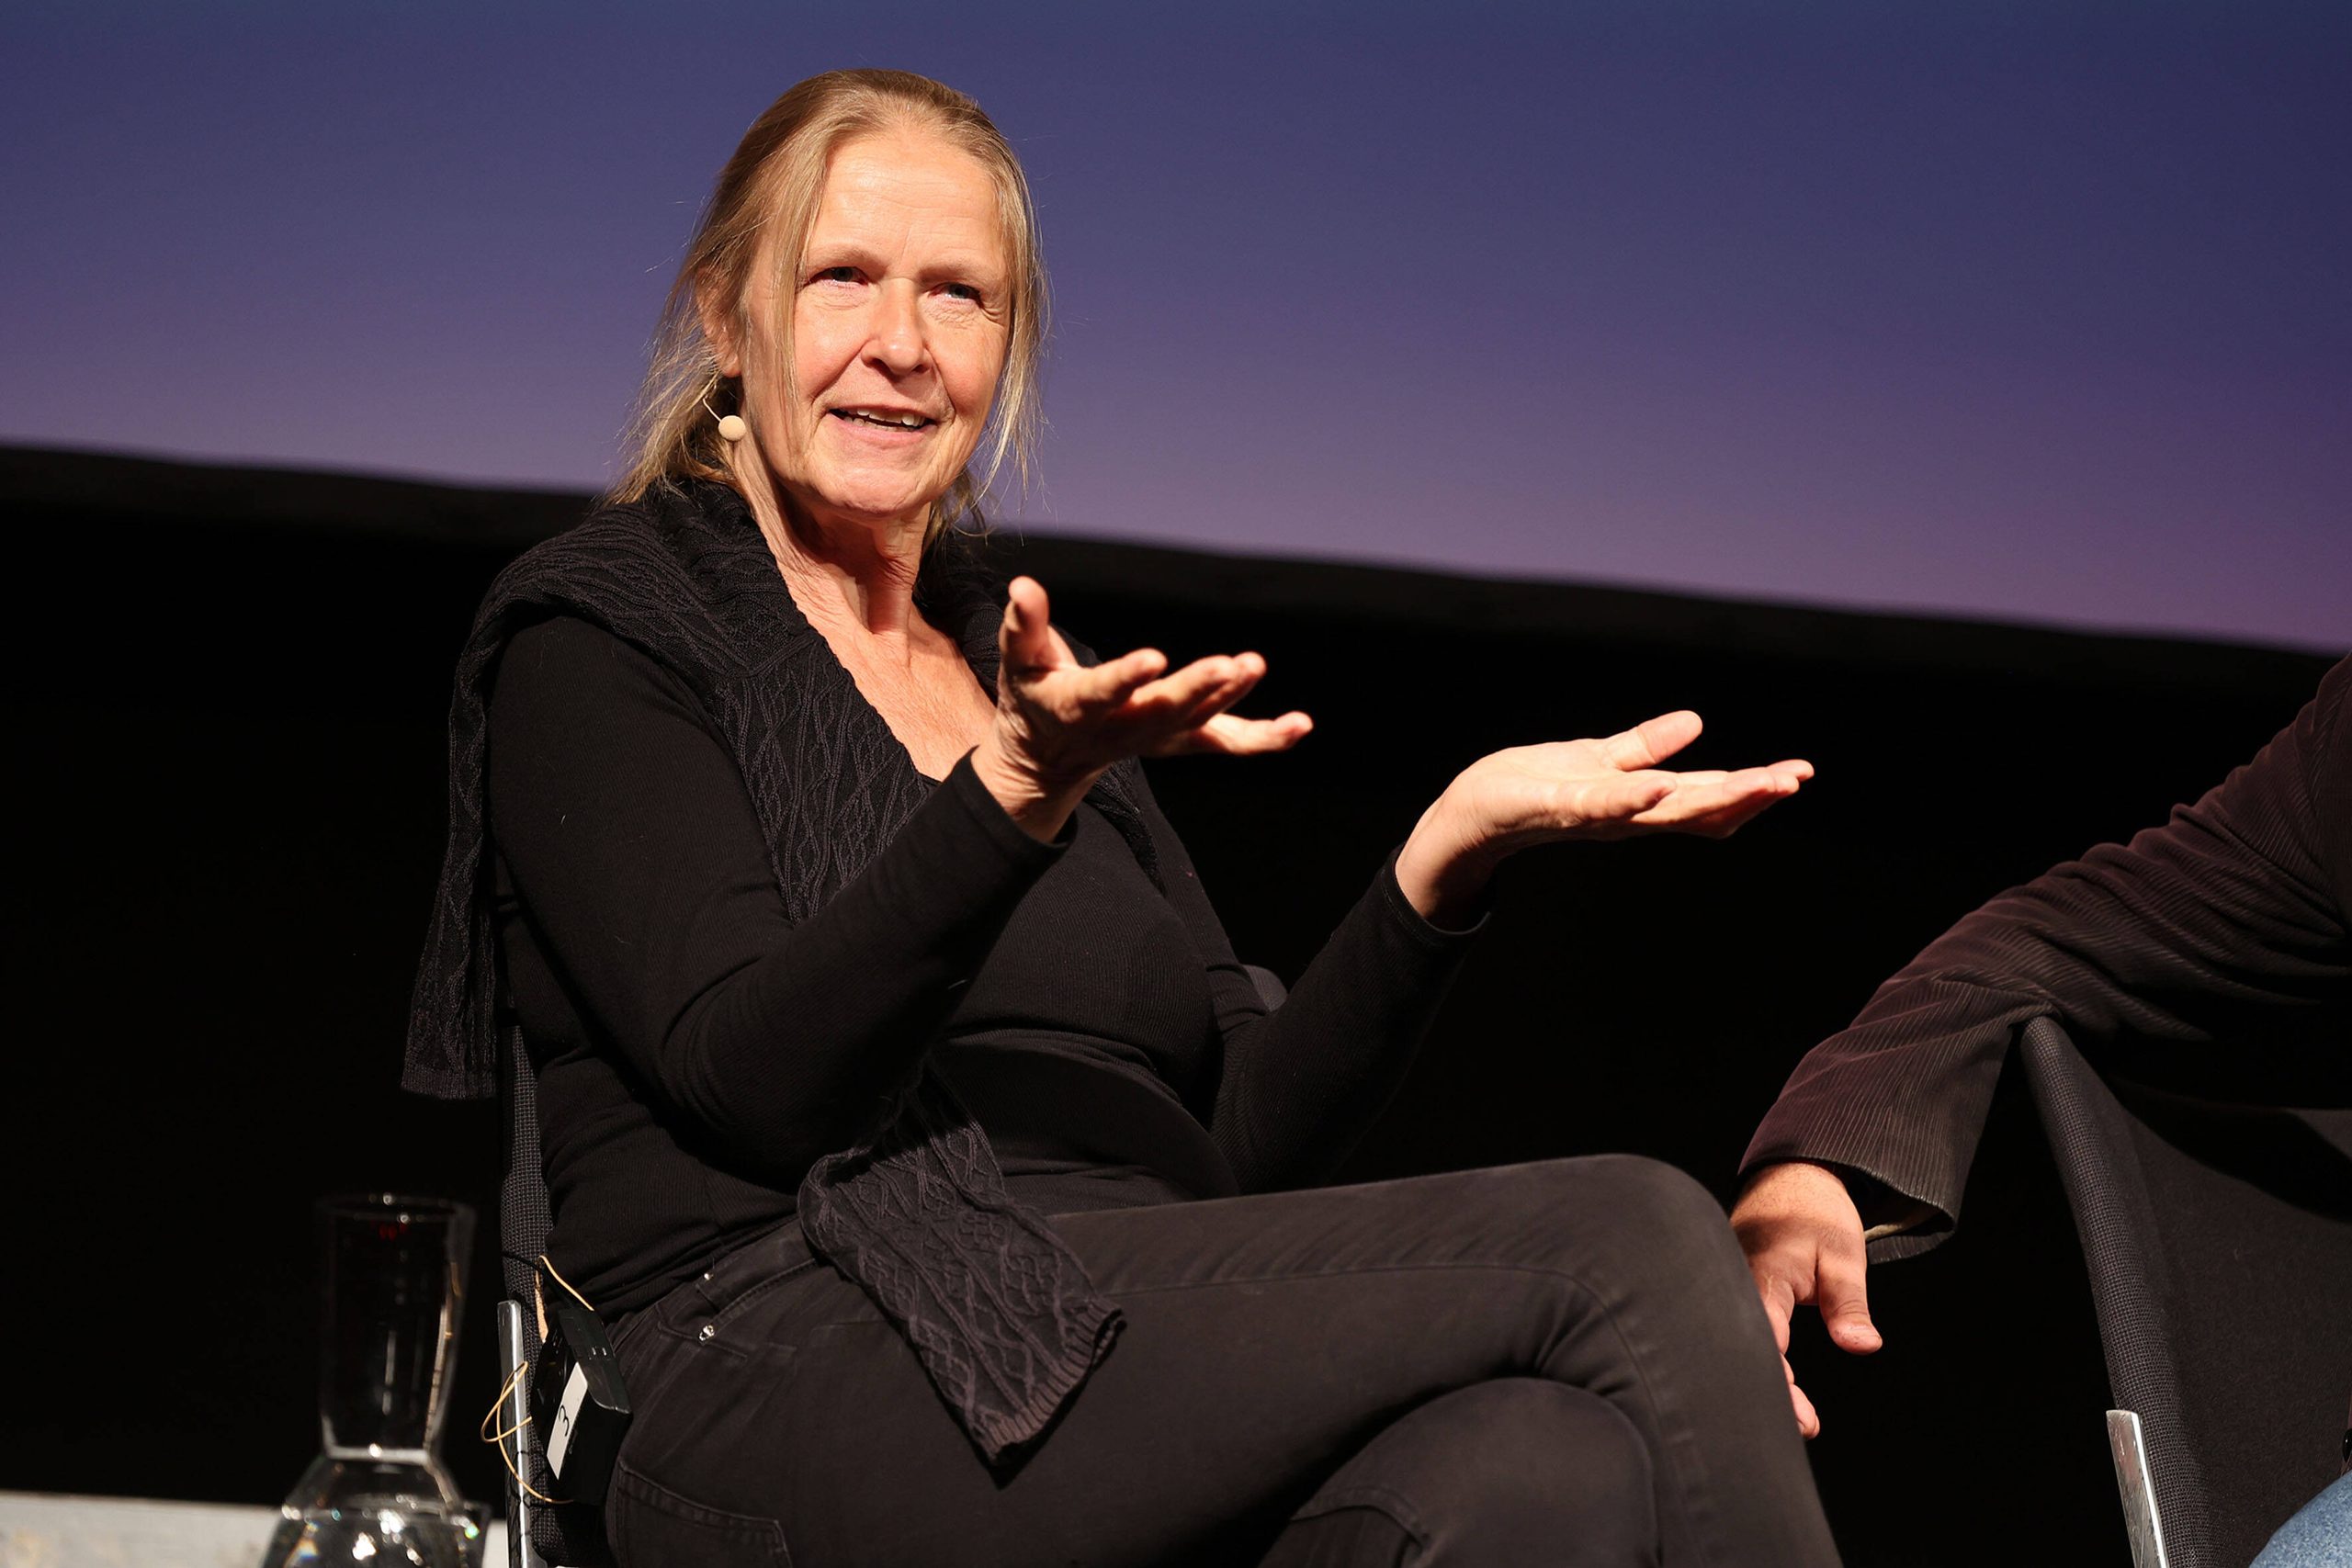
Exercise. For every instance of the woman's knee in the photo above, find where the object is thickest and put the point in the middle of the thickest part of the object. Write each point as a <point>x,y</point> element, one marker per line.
<point>1639,1212</point>
<point>1644,1234</point>
<point>1658,1196</point>
<point>1517,1470</point>
<point>1664,1199</point>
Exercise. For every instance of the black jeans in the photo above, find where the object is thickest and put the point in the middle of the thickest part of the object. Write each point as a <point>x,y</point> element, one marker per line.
<point>1561,1362</point>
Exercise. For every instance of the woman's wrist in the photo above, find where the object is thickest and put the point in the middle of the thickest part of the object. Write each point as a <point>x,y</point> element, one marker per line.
<point>1444,872</point>
<point>1039,807</point>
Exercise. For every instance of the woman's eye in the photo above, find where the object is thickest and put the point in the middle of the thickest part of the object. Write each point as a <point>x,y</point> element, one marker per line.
<point>963,291</point>
<point>837,274</point>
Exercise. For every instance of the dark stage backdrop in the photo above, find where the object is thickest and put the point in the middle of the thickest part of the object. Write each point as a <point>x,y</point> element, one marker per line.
<point>228,704</point>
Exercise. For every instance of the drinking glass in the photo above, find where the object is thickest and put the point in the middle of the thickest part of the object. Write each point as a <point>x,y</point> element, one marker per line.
<point>394,1283</point>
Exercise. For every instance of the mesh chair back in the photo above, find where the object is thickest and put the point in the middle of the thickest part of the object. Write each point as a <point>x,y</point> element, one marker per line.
<point>2219,1240</point>
<point>524,1215</point>
<point>571,1536</point>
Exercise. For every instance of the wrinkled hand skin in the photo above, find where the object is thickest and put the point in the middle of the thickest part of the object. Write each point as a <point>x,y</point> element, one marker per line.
<point>1059,724</point>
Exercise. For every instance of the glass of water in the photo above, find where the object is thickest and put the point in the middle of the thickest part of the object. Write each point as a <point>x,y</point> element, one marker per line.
<point>393,1287</point>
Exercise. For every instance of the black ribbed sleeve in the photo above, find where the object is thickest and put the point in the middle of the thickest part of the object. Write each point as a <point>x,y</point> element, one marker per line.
<point>1302,1085</point>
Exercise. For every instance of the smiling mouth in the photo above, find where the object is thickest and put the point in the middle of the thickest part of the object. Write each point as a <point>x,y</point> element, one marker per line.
<point>882,421</point>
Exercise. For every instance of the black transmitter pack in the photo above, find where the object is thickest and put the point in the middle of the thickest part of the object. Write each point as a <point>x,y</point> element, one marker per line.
<point>579,1403</point>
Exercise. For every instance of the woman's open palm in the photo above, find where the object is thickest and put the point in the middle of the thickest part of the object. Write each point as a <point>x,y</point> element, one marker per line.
<point>1612,788</point>
<point>1069,721</point>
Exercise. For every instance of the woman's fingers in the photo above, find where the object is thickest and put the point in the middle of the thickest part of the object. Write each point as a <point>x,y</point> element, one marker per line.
<point>1708,793</point>
<point>1615,797</point>
<point>1714,802</point>
<point>1234,737</point>
<point>1137,687</point>
<point>1224,684</point>
<point>1703,797</point>
<point>1652,741</point>
<point>1108,685</point>
<point>1136,704</point>
<point>1529,794</point>
<point>1024,642</point>
<point>1190,696</point>
<point>1070,721</point>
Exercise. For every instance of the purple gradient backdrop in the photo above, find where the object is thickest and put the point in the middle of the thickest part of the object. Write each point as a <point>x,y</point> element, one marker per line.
<point>2034,310</point>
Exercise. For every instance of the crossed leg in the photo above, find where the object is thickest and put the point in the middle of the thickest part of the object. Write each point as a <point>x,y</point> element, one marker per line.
<point>1555,1362</point>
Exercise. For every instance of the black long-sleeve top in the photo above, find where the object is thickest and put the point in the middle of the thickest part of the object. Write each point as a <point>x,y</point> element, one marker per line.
<point>696,1051</point>
<point>2228,926</point>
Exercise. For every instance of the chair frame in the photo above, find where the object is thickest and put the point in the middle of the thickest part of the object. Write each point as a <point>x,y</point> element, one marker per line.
<point>514,1419</point>
<point>2174,1496</point>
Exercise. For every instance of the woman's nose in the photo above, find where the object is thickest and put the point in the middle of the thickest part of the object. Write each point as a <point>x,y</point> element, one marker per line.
<point>898,342</point>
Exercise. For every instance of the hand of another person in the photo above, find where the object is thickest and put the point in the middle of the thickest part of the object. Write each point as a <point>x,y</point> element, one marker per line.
<point>1059,724</point>
<point>1575,789</point>
<point>1802,1236</point>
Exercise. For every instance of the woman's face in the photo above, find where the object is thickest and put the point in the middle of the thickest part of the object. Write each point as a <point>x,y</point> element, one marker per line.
<point>900,326</point>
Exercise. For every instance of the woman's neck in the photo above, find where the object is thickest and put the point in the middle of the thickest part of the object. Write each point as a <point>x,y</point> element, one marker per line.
<point>846,575</point>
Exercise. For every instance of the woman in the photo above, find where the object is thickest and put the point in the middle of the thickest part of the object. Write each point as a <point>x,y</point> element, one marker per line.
<point>849,944</point>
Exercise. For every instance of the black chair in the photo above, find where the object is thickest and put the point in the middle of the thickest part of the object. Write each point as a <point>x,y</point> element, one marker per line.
<point>2219,1238</point>
<point>541,1534</point>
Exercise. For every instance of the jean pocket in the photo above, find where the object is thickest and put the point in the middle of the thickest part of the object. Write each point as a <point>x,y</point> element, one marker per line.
<point>652,1527</point>
<point>730,1304</point>
<point>736,1276</point>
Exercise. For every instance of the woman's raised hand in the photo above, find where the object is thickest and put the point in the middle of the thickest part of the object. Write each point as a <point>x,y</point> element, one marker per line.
<point>1059,724</point>
<point>1575,789</point>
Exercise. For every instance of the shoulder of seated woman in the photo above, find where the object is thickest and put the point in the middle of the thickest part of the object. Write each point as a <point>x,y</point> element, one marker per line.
<point>569,649</point>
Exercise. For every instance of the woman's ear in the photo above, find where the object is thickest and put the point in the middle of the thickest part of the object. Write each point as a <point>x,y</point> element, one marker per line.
<point>717,316</point>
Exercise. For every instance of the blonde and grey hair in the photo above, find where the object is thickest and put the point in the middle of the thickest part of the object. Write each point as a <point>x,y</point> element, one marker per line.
<point>773,183</point>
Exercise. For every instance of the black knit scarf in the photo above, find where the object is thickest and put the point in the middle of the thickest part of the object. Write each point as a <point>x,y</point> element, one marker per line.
<point>999,1310</point>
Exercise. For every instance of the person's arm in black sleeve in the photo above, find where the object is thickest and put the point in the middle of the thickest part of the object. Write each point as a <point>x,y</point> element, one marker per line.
<point>1301,1085</point>
<point>643,871</point>
<point>2228,919</point>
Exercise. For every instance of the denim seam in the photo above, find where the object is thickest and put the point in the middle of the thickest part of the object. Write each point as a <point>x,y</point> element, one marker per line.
<point>1379,1499</point>
<point>754,1527</point>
